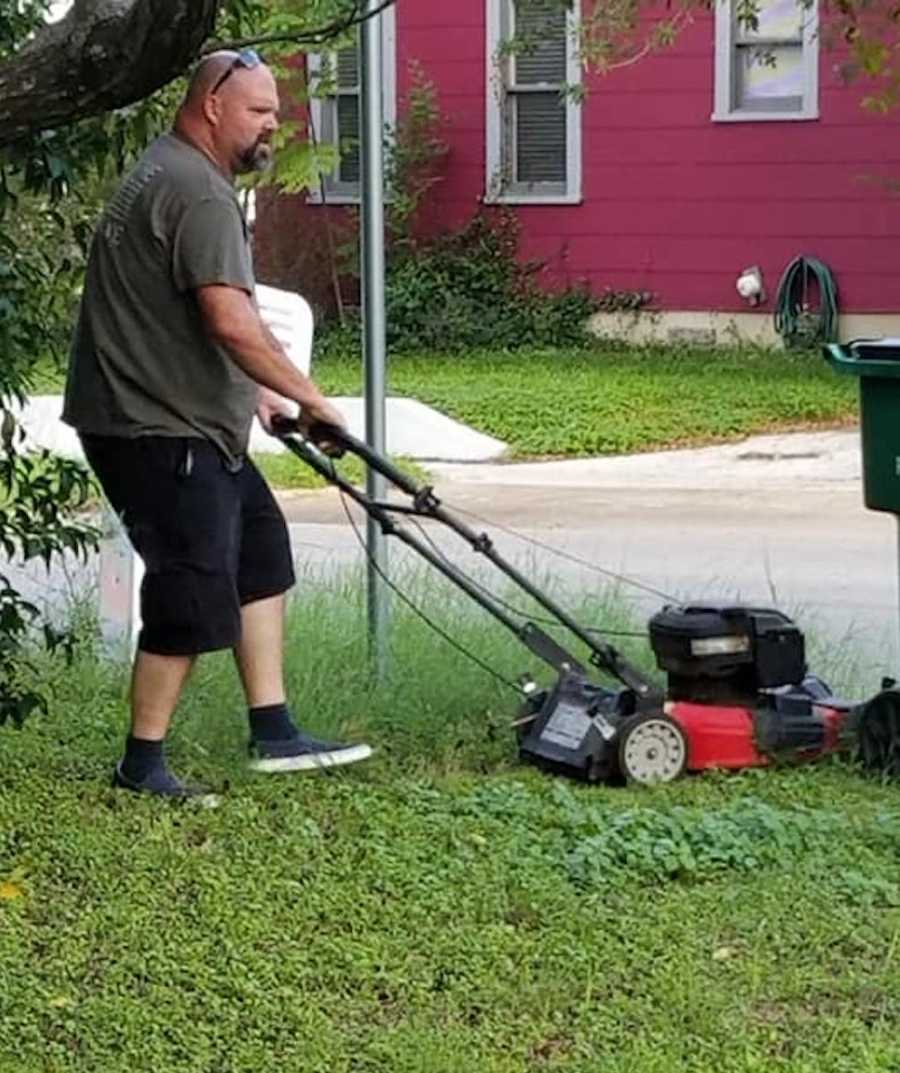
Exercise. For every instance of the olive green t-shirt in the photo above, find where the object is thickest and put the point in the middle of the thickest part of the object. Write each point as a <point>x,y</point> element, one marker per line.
<point>142,362</point>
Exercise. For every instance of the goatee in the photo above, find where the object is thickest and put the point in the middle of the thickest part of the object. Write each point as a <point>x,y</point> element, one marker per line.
<point>257,158</point>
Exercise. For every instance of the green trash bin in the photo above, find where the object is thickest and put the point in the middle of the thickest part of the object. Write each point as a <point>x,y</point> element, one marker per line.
<point>877,364</point>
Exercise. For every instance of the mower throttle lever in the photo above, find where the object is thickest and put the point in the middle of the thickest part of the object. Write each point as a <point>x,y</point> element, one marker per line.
<point>345,441</point>
<point>317,433</point>
<point>282,425</point>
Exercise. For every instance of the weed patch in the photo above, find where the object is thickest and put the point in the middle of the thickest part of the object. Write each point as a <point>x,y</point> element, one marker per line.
<point>439,908</point>
<point>557,402</point>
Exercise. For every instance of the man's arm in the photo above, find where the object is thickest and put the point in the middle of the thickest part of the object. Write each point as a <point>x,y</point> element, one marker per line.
<point>233,321</point>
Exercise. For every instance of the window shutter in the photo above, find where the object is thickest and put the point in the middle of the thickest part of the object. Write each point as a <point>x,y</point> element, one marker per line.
<point>538,109</point>
<point>542,60</point>
<point>347,104</point>
<point>348,68</point>
<point>348,137</point>
<point>540,126</point>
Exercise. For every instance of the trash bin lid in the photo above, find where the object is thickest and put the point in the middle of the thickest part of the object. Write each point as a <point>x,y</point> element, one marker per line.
<point>876,359</point>
<point>876,349</point>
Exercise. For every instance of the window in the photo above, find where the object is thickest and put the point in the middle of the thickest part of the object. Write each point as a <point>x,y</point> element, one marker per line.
<point>335,115</point>
<point>533,115</point>
<point>771,71</point>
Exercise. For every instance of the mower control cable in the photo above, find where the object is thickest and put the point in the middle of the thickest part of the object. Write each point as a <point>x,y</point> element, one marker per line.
<point>397,591</point>
<point>624,579</point>
<point>493,672</point>
<point>538,642</point>
<point>427,504</point>
<point>511,607</point>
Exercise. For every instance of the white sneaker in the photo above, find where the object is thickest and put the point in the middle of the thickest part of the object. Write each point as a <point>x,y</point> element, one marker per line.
<point>303,753</point>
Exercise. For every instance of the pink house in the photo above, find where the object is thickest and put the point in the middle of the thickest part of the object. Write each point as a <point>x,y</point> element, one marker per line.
<point>672,175</point>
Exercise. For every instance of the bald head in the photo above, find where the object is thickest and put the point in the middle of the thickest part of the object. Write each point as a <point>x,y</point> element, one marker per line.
<point>215,70</point>
<point>207,72</point>
<point>230,110</point>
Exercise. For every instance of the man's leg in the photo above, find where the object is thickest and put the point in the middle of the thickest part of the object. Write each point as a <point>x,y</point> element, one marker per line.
<point>182,516</point>
<point>265,573</point>
<point>259,653</point>
<point>156,684</point>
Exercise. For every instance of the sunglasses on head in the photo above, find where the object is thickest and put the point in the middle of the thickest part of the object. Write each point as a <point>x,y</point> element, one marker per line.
<point>247,58</point>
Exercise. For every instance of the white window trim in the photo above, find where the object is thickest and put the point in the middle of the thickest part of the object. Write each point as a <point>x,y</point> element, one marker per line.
<point>388,96</point>
<point>494,163</point>
<point>723,112</point>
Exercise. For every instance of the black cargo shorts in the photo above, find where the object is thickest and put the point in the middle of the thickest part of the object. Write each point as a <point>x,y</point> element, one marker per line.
<point>211,539</point>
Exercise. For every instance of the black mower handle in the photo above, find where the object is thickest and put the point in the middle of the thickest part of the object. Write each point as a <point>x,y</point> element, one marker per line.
<point>283,426</point>
<point>301,440</point>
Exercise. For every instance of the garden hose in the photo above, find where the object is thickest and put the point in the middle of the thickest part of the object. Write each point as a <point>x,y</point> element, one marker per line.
<point>795,322</point>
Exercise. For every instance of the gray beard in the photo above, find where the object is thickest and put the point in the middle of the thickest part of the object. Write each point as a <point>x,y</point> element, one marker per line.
<point>257,158</point>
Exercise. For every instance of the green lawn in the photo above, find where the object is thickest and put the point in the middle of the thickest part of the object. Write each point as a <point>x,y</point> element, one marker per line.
<point>440,909</point>
<point>599,401</point>
<point>605,400</point>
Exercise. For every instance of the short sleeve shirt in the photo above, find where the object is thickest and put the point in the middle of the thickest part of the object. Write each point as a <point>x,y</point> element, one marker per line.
<point>142,362</point>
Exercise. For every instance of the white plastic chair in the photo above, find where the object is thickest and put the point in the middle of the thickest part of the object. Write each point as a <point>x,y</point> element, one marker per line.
<point>290,319</point>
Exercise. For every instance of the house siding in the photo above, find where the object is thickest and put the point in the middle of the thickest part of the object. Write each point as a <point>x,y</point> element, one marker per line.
<point>673,202</point>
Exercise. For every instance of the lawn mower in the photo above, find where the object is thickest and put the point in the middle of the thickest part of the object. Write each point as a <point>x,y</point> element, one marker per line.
<point>738,693</point>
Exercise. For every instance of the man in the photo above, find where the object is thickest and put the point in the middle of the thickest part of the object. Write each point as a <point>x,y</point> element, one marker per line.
<point>169,361</point>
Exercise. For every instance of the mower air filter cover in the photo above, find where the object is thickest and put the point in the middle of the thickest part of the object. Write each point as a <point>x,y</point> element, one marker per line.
<point>723,640</point>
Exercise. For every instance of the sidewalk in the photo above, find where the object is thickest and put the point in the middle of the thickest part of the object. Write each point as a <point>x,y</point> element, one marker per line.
<point>417,431</point>
<point>413,430</point>
<point>781,460</point>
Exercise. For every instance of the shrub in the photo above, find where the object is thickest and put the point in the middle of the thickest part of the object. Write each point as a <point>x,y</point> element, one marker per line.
<point>468,288</point>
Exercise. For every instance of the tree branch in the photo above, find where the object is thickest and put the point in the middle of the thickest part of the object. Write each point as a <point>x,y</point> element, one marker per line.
<point>104,54</point>
<point>308,37</point>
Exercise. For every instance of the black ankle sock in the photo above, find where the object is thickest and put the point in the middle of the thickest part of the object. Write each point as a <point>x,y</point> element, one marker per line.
<point>141,757</point>
<point>271,722</point>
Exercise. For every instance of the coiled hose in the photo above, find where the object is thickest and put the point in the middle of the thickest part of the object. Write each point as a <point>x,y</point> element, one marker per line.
<point>797,324</point>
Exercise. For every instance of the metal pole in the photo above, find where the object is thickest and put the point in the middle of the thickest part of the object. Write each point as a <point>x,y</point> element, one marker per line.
<point>371,127</point>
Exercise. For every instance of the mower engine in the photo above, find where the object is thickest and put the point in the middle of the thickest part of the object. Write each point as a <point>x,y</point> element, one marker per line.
<point>738,694</point>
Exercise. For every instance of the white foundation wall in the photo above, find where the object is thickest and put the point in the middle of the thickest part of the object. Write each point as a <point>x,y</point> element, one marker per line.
<point>725,329</point>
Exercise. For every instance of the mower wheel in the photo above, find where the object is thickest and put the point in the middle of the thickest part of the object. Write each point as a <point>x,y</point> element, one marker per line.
<point>652,748</point>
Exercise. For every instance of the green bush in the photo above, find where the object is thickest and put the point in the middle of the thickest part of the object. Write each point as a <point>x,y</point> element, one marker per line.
<point>469,289</point>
